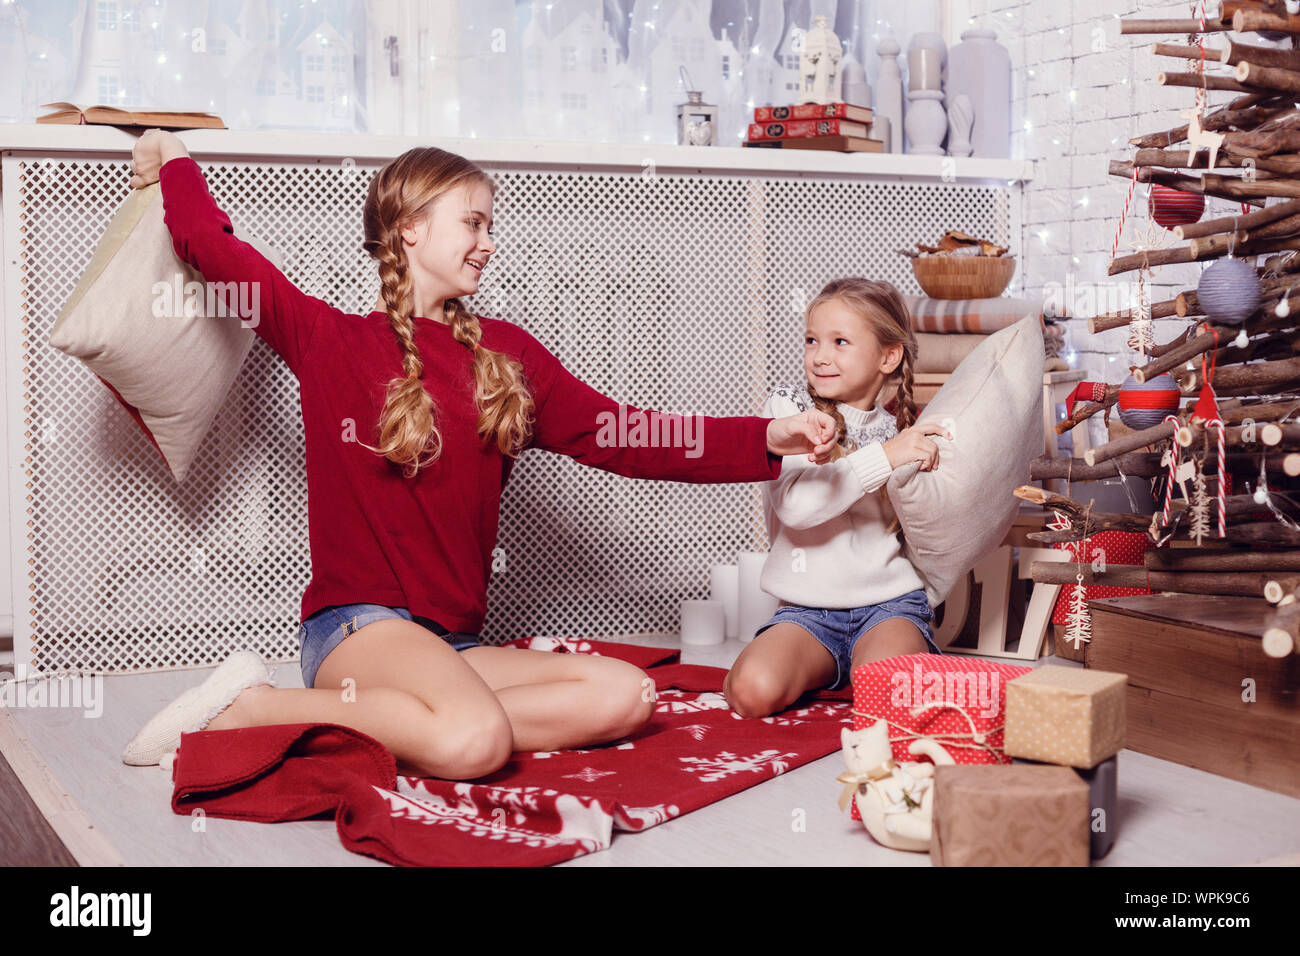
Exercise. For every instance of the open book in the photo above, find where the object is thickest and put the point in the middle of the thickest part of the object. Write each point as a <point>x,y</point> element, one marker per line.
<point>73,115</point>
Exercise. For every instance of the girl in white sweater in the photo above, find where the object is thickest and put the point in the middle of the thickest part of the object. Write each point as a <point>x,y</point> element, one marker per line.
<point>848,595</point>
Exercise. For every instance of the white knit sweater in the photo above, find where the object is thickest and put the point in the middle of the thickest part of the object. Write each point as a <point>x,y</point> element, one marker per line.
<point>827,523</point>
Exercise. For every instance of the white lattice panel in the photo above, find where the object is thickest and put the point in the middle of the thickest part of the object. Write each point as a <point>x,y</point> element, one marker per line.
<point>682,293</point>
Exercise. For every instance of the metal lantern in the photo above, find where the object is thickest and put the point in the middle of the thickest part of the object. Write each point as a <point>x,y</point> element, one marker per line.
<point>697,122</point>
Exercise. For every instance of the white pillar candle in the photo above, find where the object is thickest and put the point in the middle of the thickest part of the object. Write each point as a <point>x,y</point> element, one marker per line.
<point>703,622</point>
<point>724,586</point>
<point>756,606</point>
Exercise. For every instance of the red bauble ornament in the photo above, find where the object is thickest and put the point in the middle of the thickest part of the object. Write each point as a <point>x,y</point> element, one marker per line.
<point>1172,207</point>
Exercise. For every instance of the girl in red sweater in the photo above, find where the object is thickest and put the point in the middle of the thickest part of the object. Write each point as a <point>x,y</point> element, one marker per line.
<point>403,515</point>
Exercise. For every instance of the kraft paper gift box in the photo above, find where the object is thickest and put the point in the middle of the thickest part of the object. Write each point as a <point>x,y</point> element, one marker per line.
<point>1019,815</point>
<point>1066,715</point>
<point>1103,802</point>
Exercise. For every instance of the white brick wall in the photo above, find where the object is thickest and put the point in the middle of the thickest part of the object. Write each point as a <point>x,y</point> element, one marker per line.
<point>1061,45</point>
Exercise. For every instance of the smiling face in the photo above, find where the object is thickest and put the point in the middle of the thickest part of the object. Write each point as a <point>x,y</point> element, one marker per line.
<point>843,359</point>
<point>449,248</point>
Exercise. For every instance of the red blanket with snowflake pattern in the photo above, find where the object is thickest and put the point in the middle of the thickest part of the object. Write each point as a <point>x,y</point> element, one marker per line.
<point>540,808</point>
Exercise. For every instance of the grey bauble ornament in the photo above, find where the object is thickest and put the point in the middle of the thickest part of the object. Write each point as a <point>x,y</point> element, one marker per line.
<point>1229,291</point>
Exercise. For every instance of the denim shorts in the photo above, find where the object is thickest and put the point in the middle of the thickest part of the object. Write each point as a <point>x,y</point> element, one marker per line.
<point>327,628</point>
<point>838,629</point>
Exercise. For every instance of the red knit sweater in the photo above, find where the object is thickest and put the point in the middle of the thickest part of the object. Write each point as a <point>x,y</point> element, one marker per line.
<point>423,543</point>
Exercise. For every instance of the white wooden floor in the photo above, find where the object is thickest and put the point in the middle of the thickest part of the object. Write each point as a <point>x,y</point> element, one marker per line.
<point>1169,815</point>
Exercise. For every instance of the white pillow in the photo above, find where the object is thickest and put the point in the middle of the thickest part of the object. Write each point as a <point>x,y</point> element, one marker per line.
<point>960,512</point>
<point>171,373</point>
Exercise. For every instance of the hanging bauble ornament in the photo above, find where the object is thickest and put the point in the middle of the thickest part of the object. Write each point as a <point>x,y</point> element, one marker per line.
<point>1145,404</point>
<point>1172,207</point>
<point>1229,291</point>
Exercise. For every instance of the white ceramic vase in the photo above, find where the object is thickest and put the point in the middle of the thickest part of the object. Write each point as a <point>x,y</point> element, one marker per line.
<point>980,68</point>
<point>960,116</point>
<point>926,122</point>
<point>889,95</point>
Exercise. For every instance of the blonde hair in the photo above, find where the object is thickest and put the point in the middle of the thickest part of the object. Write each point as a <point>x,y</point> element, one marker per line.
<point>400,194</point>
<point>882,307</point>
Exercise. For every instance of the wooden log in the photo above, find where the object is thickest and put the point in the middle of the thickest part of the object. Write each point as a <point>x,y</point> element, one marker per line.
<point>1138,464</point>
<point>1080,514</point>
<point>1229,7</point>
<point>1230,156</point>
<point>1264,142</point>
<point>1201,342</point>
<point>1159,350</point>
<point>1267,77</point>
<point>1213,247</point>
<point>1282,264</point>
<point>1197,184</point>
<point>1197,559</point>
<point>1238,583</point>
<point>1139,439</point>
<point>1226,187</point>
<point>1212,55</point>
<point>1250,533</point>
<point>1127,27</point>
<point>1113,320</point>
<point>1204,81</point>
<point>1177,159</point>
<point>1258,411</point>
<point>1244,222</point>
<point>1236,51</point>
<point>1240,436</point>
<point>1247,20</point>
<point>1085,410</point>
<point>1278,641</point>
<point>1246,112</point>
<point>1276,588</point>
<point>1230,379</point>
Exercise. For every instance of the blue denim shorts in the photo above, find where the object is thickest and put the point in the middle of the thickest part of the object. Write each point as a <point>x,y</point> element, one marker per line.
<point>328,627</point>
<point>838,629</point>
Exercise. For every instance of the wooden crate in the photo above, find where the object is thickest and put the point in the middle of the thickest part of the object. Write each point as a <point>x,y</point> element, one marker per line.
<point>1190,659</point>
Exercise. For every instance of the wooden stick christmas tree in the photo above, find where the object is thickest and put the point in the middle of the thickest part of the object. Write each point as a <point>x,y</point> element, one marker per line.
<point>1213,415</point>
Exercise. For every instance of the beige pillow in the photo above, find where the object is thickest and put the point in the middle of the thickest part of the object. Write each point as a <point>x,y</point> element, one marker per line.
<point>960,512</point>
<point>170,370</point>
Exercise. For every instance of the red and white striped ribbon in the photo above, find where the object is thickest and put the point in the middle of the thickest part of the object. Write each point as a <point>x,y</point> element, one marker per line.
<point>1124,215</point>
<point>1173,471</point>
<point>1223,497</point>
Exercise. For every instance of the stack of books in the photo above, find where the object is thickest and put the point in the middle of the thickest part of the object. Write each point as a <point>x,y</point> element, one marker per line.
<point>841,127</point>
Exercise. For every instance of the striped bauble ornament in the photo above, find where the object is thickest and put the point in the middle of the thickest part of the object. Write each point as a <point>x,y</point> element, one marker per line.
<point>1172,207</point>
<point>1145,404</point>
<point>1229,291</point>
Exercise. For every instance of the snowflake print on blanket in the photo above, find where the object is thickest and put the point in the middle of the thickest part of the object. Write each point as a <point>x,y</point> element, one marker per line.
<point>582,821</point>
<point>638,818</point>
<point>696,730</point>
<point>676,702</point>
<point>589,774</point>
<point>725,764</point>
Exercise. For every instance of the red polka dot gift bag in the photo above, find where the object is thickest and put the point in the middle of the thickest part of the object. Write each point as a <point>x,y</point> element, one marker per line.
<point>959,702</point>
<point>1107,547</point>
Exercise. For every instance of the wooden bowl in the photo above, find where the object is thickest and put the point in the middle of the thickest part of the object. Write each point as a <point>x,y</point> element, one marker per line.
<point>964,277</point>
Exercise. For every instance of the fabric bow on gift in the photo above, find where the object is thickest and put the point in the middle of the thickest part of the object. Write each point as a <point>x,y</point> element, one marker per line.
<point>853,781</point>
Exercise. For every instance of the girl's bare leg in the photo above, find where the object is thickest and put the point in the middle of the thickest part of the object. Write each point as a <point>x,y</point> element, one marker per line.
<point>561,701</point>
<point>456,715</point>
<point>776,669</point>
<point>890,638</point>
<point>455,728</point>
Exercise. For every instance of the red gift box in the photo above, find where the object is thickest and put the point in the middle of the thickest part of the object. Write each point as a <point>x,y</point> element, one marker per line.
<point>965,701</point>
<point>1114,547</point>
